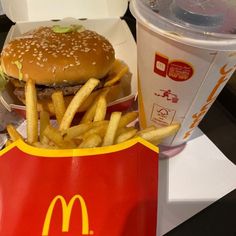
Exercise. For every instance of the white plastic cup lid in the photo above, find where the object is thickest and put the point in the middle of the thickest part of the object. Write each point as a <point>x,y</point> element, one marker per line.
<point>203,13</point>
<point>211,16</point>
<point>212,21</point>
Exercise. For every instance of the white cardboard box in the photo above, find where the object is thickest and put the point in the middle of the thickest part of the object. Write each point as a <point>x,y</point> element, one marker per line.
<point>101,16</point>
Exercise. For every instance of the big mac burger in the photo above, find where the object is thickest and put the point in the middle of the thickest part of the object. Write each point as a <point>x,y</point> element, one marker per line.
<point>63,58</point>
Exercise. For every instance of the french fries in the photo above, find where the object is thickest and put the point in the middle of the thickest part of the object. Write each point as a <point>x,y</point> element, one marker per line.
<point>45,146</point>
<point>31,112</point>
<point>93,129</point>
<point>128,118</point>
<point>111,129</point>
<point>76,102</point>
<point>89,114</point>
<point>117,71</point>
<point>59,104</point>
<point>55,136</point>
<point>8,142</point>
<point>101,109</point>
<point>44,122</point>
<point>159,133</point>
<point>93,111</point>
<point>117,77</point>
<point>76,131</point>
<point>13,133</point>
<point>126,135</point>
<point>100,130</point>
<point>92,141</point>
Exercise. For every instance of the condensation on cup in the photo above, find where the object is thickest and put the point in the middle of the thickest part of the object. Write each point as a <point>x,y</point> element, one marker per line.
<point>186,55</point>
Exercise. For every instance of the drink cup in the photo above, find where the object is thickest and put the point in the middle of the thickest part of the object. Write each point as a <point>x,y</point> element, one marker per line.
<point>186,55</point>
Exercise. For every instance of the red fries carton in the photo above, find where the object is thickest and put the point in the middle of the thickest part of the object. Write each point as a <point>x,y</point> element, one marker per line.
<point>101,191</point>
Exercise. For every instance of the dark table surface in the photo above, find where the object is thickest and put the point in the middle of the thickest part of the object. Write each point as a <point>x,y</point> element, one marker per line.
<point>219,124</point>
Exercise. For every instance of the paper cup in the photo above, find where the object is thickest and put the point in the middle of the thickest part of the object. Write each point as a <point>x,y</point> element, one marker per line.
<point>179,77</point>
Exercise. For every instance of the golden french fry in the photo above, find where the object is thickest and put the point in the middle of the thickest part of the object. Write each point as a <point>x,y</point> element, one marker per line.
<point>117,77</point>
<point>124,136</point>
<point>78,141</point>
<point>111,129</point>
<point>43,145</point>
<point>128,118</point>
<point>78,99</point>
<point>101,109</point>
<point>116,67</point>
<point>150,128</point>
<point>59,105</point>
<point>76,131</point>
<point>81,130</point>
<point>31,112</point>
<point>90,113</point>
<point>160,133</point>
<point>55,136</point>
<point>89,101</point>
<point>8,142</point>
<point>44,122</point>
<point>100,130</point>
<point>123,130</point>
<point>155,141</point>
<point>99,123</point>
<point>117,71</point>
<point>13,133</point>
<point>93,140</point>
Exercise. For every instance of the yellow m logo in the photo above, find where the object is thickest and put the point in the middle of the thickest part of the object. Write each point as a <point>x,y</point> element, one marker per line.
<point>66,213</point>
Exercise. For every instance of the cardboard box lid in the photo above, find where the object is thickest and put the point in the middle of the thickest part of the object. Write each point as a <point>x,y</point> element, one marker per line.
<point>35,10</point>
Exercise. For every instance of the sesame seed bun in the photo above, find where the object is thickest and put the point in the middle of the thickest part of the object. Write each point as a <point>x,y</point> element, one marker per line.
<point>51,58</point>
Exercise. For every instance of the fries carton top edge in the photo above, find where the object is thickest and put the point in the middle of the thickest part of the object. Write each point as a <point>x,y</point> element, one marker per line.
<point>77,152</point>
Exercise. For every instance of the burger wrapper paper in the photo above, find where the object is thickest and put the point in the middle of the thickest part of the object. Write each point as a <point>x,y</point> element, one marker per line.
<point>110,191</point>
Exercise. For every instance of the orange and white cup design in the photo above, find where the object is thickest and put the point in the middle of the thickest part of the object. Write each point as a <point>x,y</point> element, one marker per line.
<point>178,82</point>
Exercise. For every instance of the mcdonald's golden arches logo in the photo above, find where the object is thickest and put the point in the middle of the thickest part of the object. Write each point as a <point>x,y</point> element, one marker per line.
<point>66,214</point>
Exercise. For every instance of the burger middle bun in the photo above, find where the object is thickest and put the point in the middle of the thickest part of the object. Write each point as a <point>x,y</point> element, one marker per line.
<point>52,58</point>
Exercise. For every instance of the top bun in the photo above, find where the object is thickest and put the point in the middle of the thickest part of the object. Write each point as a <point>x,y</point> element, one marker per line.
<point>54,58</point>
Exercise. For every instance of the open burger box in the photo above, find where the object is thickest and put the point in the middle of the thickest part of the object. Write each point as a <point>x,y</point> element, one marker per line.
<point>100,191</point>
<point>100,16</point>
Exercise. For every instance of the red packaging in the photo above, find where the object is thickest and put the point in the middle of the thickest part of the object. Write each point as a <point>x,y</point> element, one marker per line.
<point>110,191</point>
